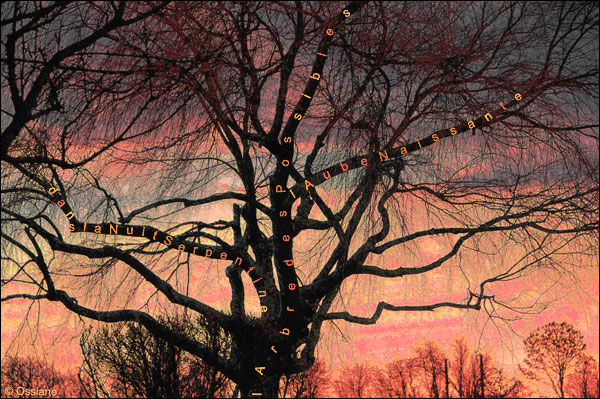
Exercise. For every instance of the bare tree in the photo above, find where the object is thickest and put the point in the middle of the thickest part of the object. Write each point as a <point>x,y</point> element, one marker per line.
<point>496,383</point>
<point>459,366</point>
<point>398,379</point>
<point>308,384</point>
<point>473,375</point>
<point>467,378</point>
<point>584,382</point>
<point>429,363</point>
<point>553,350</point>
<point>129,361</point>
<point>300,124</point>
<point>355,382</point>
<point>38,378</point>
<point>423,375</point>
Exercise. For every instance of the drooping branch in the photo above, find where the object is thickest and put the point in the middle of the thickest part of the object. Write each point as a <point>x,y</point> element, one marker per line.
<point>223,252</point>
<point>211,357</point>
<point>24,296</point>
<point>381,306</point>
<point>189,203</point>
<point>110,252</point>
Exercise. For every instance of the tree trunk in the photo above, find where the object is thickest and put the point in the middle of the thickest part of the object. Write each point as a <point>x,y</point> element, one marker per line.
<point>260,368</point>
<point>561,379</point>
<point>460,378</point>
<point>446,372</point>
<point>434,387</point>
<point>263,387</point>
<point>481,375</point>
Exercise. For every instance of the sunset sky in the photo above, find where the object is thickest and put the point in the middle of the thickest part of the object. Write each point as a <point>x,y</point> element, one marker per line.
<point>571,297</point>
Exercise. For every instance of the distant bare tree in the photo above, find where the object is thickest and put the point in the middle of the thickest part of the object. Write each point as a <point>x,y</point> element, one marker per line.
<point>355,382</point>
<point>584,382</point>
<point>128,361</point>
<point>498,385</point>
<point>308,384</point>
<point>429,364</point>
<point>554,351</point>
<point>459,366</point>
<point>423,375</point>
<point>465,371</point>
<point>398,379</point>
<point>32,373</point>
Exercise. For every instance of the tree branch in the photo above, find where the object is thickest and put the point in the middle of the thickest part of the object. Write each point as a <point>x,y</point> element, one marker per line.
<point>381,306</point>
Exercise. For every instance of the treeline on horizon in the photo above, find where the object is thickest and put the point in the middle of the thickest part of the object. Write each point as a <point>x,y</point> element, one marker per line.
<point>127,361</point>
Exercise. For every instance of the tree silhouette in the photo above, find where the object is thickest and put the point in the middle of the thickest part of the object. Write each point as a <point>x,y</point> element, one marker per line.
<point>423,375</point>
<point>398,380</point>
<point>34,374</point>
<point>459,367</point>
<point>429,363</point>
<point>308,384</point>
<point>128,361</point>
<point>584,382</point>
<point>300,147</point>
<point>553,351</point>
<point>355,382</point>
